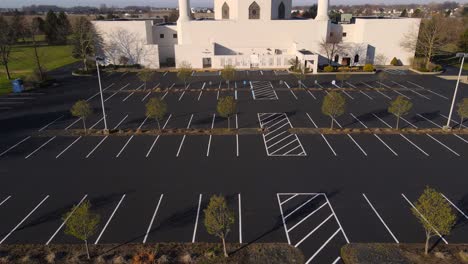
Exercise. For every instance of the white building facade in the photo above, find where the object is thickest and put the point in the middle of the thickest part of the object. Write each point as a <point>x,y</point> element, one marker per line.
<point>254,34</point>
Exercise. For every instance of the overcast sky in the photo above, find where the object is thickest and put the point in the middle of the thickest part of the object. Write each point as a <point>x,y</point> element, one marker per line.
<point>172,3</point>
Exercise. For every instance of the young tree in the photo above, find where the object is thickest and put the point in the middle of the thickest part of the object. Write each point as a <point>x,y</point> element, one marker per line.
<point>218,219</point>
<point>404,13</point>
<point>434,35</point>
<point>156,109</point>
<point>228,74</point>
<point>184,72</point>
<point>462,111</point>
<point>435,214</point>
<point>7,39</point>
<point>227,107</point>
<point>64,28</point>
<point>34,29</point>
<point>50,28</point>
<point>18,25</point>
<point>399,107</point>
<point>331,47</point>
<point>342,77</point>
<point>300,76</point>
<point>382,76</point>
<point>334,105</point>
<point>145,76</point>
<point>85,40</point>
<point>83,110</point>
<point>81,223</point>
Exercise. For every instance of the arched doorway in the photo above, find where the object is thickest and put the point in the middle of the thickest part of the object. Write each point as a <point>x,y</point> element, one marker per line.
<point>225,11</point>
<point>254,11</point>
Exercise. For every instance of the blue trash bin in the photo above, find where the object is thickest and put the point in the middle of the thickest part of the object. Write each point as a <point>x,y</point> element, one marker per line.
<point>18,86</point>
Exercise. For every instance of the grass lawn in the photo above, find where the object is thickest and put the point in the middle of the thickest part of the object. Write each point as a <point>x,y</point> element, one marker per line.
<point>22,62</point>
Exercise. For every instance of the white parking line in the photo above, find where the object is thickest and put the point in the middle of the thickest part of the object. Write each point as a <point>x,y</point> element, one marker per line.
<point>439,126</point>
<point>182,95</point>
<point>429,90</point>
<point>24,219</point>
<point>403,136</point>
<point>352,139</point>
<point>96,147</point>
<point>347,94</point>
<point>377,136</point>
<point>300,206</point>
<point>452,120</point>
<point>96,94</point>
<point>381,220</point>
<point>336,218</point>
<point>167,91</point>
<point>324,245</point>
<point>108,220</point>
<point>209,140</point>
<point>282,217</point>
<point>219,89</point>
<point>314,230</point>
<point>196,220</point>
<point>116,92</point>
<point>424,218</point>
<point>388,87</point>
<point>386,96</point>
<point>285,201</point>
<point>146,96</point>
<point>408,89</point>
<point>165,73</point>
<point>156,140</point>
<point>130,139</point>
<point>152,219</point>
<point>74,122</point>
<point>66,219</point>
<point>201,91</point>
<point>183,138</point>
<point>121,121</point>
<point>125,99</point>
<point>43,145</point>
<point>95,124</point>
<point>323,136</point>
<point>14,146</point>
<point>287,85</point>
<point>458,209</point>
<point>5,200</point>
<point>69,146</point>
<point>436,140</point>
<point>336,260</point>
<point>237,137</point>
<point>311,94</point>
<point>46,126</point>
<point>305,218</point>
<point>240,217</point>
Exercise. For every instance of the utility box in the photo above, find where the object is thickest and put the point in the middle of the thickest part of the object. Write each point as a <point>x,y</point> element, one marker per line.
<point>18,86</point>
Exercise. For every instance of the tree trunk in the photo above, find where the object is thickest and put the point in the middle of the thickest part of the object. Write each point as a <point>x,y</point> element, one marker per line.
<point>229,122</point>
<point>7,70</point>
<point>87,249</point>
<point>224,248</point>
<point>145,87</point>
<point>332,119</point>
<point>426,246</point>
<point>36,57</point>
<point>398,123</point>
<point>84,124</point>
<point>85,64</point>
<point>159,126</point>
<point>461,124</point>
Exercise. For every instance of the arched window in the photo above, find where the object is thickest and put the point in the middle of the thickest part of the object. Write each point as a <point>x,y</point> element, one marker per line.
<point>281,11</point>
<point>225,11</point>
<point>254,11</point>
<point>356,58</point>
<point>337,57</point>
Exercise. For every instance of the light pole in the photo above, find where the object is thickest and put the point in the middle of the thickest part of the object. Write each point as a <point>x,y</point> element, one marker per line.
<point>463,56</point>
<point>106,130</point>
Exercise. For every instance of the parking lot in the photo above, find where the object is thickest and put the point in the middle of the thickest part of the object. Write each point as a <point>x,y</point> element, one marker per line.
<point>315,192</point>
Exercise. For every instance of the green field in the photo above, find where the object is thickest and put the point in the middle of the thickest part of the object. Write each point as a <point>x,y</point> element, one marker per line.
<point>22,62</point>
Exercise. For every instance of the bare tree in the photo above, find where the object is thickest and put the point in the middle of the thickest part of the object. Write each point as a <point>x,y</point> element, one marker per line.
<point>85,40</point>
<point>34,28</point>
<point>432,39</point>
<point>125,43</point>
<point>7,39</point>
<point>331,47</point>
<point>380,59</point>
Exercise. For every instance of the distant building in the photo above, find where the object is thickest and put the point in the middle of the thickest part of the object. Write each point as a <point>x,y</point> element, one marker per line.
<point>257,34</point>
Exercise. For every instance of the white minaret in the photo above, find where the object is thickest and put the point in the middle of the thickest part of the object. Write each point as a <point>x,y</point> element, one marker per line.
<point>322,10</point>
<point>184,11</point>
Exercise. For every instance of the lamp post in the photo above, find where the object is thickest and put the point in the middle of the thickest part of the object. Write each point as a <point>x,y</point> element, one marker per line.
<point>106,130</point>
<point>463,56</point>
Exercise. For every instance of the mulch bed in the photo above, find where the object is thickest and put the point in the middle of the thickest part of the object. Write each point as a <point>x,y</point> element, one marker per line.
<point>403,254</point>
<point>379,131</point>
<point>266,253</point>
